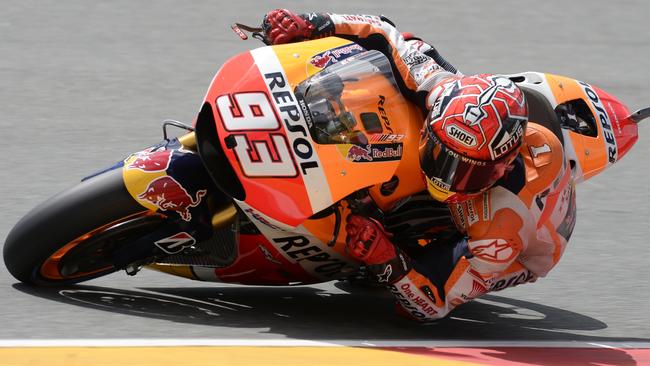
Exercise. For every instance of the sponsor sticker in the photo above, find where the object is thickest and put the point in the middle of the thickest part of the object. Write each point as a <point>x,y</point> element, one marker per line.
<point>298,247</point>
<point>492,250</point>
<point>359,153</point>
<point>427,70</point>
<point>311,255</point>
<point>168,194</point>
<point>477,290</point>
<point>507,142</point>
<point>176,243</point>
<point>386,138</point>
<point>383,114</point>
<point>363,19</point>
<point>605,123</point>
<point>465,138</point>
<point>414,59</point>
<point>329,57</point>
<point>295,125</point>
<point>413,300</point>
<point>375,153</point>
<point>472,216</point>
<point>150,161</point>
<point>514,279</point>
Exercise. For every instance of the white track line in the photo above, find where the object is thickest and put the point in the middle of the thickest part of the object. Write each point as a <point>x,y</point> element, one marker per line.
<point>306,343</point>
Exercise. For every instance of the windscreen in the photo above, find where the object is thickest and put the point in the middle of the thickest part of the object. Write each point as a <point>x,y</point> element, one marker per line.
<point>347,102</point>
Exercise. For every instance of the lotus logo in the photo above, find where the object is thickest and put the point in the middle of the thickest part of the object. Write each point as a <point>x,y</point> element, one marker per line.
<point>461,136</point>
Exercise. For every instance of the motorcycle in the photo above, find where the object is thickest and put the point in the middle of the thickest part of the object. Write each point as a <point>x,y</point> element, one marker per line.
<point>289,141</point>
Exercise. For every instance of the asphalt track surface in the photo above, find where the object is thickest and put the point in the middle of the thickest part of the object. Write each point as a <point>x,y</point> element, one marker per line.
<point>86,83</point>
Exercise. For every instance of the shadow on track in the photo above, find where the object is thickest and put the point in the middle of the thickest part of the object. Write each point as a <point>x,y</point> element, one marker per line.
<point>360,314</point>
<point>312,313</point>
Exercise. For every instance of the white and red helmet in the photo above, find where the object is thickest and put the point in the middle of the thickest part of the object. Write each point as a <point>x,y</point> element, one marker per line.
<point>472,135</point>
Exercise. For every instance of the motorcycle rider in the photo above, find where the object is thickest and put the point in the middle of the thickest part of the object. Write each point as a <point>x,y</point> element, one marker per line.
<point>506,182</point>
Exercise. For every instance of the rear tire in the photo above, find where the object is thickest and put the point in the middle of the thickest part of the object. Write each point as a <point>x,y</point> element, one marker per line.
<point>85,219</point>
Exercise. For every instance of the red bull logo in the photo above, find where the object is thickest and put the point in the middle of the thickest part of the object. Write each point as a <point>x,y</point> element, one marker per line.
<point>322,60</point>
<point>151,161</point>
<point>357,153</point>
<point>169,195</point>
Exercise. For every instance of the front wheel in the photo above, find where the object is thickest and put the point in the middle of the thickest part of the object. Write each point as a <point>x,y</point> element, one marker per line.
<point>71,237</point>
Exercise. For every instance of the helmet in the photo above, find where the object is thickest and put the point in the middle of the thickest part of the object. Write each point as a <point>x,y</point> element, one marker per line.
<point>472,134</point>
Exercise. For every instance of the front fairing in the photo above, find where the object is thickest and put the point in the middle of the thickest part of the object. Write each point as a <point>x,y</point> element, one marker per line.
<point>291,159</point>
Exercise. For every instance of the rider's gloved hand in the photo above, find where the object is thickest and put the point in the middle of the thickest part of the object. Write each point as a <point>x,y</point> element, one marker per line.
<point>367,241</point>
<point>283,26</point>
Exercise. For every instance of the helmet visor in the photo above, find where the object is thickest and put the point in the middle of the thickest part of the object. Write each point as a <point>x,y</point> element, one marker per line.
<point>450,171</point>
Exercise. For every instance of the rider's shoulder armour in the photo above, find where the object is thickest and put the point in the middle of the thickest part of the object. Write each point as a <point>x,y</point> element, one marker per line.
<point>543,158</point>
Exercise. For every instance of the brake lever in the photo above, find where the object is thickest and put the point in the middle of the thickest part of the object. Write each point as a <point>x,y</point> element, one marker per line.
<point>256,32</point>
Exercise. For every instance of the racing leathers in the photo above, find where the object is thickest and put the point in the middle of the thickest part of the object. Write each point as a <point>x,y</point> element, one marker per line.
<point>513,233</point>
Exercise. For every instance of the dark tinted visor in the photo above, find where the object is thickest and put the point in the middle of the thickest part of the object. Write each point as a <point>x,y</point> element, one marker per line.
<point>458,173</point>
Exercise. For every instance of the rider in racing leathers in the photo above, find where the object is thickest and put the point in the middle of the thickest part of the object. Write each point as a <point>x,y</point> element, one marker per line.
<point>506,182</point>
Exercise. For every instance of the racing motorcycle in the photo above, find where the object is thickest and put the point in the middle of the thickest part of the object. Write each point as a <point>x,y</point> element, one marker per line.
<point>290,140</point>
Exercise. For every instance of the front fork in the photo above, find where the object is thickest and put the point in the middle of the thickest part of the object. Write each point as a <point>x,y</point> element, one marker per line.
<point>225,213</point>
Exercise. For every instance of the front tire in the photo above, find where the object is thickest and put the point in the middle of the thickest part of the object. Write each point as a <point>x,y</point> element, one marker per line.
<point>70,237</point>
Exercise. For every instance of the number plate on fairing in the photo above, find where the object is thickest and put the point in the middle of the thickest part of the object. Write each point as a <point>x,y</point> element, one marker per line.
<point>268,135</point>
<point>265,137</point>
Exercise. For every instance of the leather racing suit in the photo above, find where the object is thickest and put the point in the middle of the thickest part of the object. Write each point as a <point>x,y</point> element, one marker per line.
<point>514,233</point>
